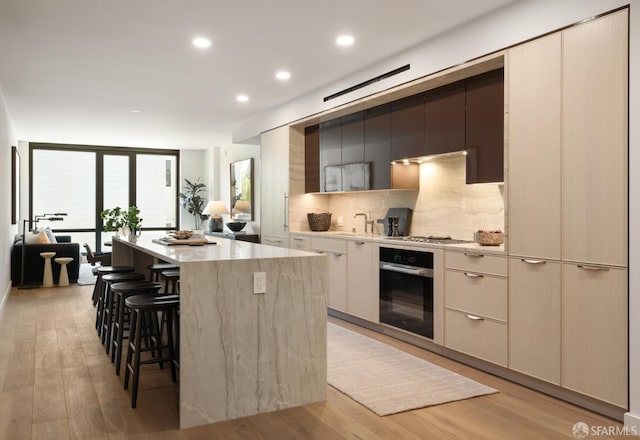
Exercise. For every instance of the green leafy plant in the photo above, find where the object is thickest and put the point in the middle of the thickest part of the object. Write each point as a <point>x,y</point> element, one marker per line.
<point>117,218</point>
<point>193,200</point>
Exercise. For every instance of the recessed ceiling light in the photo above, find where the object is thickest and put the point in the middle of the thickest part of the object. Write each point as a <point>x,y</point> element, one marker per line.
<point>134,111</point>
<point>344,40</point>
<point>201,42</point>
<point>283,75</point>
<point>242,98</point>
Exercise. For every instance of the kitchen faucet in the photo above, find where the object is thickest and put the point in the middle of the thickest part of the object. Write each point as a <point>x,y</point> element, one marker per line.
<point>366,221</point>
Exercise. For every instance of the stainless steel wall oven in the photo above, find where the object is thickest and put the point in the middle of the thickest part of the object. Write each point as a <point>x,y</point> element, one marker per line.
<point>406,290</point>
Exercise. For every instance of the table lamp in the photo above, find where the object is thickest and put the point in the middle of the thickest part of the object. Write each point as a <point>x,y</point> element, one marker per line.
<point>214,209</point>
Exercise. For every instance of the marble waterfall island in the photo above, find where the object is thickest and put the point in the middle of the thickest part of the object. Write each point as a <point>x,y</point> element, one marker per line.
<point>243,353</point>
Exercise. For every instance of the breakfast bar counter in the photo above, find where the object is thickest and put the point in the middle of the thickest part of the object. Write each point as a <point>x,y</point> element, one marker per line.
<point>243,353</point>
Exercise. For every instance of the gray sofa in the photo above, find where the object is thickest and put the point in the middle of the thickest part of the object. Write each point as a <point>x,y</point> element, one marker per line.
<point>34,263</point>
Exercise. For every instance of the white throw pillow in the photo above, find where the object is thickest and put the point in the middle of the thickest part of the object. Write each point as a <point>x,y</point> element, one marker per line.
<point>39,238</point>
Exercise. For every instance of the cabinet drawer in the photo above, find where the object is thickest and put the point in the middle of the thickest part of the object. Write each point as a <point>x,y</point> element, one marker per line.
<point>300,242</point>
<point>482,338</point>
<point>329,244</point>
<point>275,240</point>
<point>476,293</point>
<point>476,261</point>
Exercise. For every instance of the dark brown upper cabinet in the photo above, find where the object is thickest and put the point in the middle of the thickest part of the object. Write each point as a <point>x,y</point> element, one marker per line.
<point>331,155</point>
<point>485,127</point>
<point>312,159</point>
<point>407,127</point>
<point>444,119</point>
<point>355,170</point>
<point>377,145</point>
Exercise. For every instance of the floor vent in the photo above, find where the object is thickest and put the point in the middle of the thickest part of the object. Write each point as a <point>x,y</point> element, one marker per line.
<point>367,82</point>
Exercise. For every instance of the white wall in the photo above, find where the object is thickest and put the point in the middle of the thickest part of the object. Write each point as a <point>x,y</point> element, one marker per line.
<point>7,140</point>
<point>632,418</point>
<point>193,167</point>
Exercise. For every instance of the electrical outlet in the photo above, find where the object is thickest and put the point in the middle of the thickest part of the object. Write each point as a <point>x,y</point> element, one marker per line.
<point>259,282</point>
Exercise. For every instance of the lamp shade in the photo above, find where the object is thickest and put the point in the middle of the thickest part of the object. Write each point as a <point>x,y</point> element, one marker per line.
<point>243,206</point>
<point>215,207</point>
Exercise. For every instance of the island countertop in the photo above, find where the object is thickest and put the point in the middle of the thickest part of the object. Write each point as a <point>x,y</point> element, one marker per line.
<point>242,352</point>
<point>219,249</point>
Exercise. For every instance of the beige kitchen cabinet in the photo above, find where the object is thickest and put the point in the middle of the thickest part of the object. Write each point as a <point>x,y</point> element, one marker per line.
<point>300,242</point>
<point>475,299</point>
<point>535,312</point>
<point>274,155</point>
<point>534,159</point>
<point>336,251</point>
<point>362,268</point>
<point>594,141</point>
<point>594,331</point>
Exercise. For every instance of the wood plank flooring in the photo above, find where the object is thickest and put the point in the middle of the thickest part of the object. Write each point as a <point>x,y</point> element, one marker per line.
<point>57,382</point>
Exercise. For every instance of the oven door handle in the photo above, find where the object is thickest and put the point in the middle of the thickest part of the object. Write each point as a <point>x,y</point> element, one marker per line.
<point>418,271</point>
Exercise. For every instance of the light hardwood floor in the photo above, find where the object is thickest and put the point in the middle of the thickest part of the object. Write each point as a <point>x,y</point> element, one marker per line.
<point>58,383</point>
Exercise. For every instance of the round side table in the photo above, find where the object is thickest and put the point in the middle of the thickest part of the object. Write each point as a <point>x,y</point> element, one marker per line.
<point>47,276</point>
<point>64,274</point>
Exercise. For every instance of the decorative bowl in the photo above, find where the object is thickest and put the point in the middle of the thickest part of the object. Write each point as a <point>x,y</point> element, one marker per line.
<point>489,238</point>
<point>236,226</point>
<point>319,222</point>
<point>181,235</point>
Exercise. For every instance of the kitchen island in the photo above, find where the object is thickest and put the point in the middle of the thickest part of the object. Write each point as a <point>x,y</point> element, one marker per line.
<point>243,353</point>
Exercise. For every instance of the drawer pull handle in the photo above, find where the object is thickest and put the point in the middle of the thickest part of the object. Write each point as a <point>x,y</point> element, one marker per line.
<point>318,251</point>
<point>525,260</point>
<point>471,254</point>
<point>473,275</point>
<point>298,239</point>
<point>360,243</point>
<point>583,266</point>
<point>474,317</point>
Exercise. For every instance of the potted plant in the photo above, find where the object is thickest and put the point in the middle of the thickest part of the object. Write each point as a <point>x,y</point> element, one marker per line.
<point>117,219</point>
<point>193,200</point>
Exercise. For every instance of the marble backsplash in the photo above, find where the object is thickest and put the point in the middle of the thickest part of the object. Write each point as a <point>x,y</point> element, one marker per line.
<point>444,205</point>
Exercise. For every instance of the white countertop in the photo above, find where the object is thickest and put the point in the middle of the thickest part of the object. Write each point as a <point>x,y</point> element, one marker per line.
<point>382,239</point>
<point>223,249</point>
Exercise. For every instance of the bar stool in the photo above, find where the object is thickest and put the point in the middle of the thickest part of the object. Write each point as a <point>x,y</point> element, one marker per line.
<point>98,289</point>
<point>170,277</point>
<point>156,269</point>
<point>121,292</point>
<point>107,311</point>
<point>144,310</point>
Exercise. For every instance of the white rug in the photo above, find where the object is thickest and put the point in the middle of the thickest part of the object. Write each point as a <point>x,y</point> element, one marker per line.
<point>387,380</point>
<point>86,277</point>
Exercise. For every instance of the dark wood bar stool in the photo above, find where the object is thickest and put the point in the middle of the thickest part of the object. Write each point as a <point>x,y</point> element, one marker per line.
<point>171,278</point>
<point>156,269</point>
<point>98,290</point>
<point>107,312</point>
<point>144,314</point>
<point>121,291</point>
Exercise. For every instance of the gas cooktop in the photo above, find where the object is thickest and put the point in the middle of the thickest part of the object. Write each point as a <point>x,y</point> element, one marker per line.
<point>431,239</point>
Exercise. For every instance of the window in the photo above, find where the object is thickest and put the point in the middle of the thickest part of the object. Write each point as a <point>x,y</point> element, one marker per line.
<point>81,181</point>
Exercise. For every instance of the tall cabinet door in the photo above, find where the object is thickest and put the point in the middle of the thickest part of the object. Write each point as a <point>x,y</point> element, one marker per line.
<point>594,331</point>
<point>274,152</point>
<point>595,143</point>
<point>534,219</point>
<point>535,302</point>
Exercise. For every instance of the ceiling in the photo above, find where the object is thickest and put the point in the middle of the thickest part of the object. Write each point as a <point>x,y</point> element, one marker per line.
<point>72,70</point>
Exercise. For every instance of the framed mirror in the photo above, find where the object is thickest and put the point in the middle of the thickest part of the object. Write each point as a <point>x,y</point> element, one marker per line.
<point>241,174</point>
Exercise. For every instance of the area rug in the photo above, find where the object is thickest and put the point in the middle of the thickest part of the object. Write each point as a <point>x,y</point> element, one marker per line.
<point>86,277</point>
<point>387,380</point>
